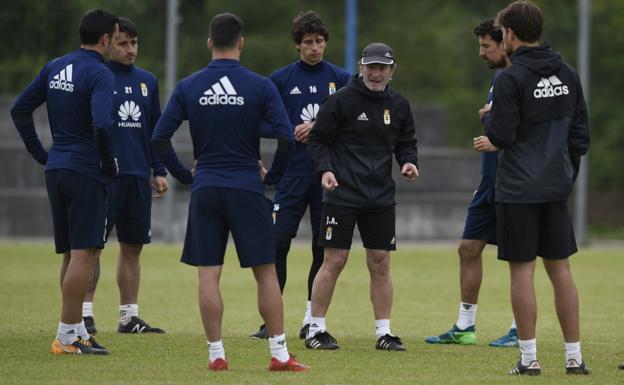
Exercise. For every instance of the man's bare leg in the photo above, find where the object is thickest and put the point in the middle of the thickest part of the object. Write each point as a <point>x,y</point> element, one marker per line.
<point>269,299</point>
<point>75,284</point>
<point>326,278</point>
<point>87,304</point>
<point>566,297</point>
<point>524,307</point>
<point>470,269</point>
<point>128,272</point>
<point>210,301</point>
<point>381,291</point>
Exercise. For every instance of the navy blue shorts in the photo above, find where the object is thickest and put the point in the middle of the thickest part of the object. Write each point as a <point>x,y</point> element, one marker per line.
<point>130,209</point>
<point>481,218</point>
<point>376,226</point>
<point>214,212</point>
<point>78,206</point>
<point>292,197</point>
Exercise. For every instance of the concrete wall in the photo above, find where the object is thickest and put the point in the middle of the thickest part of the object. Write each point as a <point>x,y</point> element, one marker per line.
<point>433,207</point>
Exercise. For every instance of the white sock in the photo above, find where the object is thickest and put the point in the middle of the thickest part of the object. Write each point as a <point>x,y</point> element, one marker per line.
<point>67,333</point>
<point>215,350</point>
<point>573,351</point>
<point>382,327</point>
<point>308,313</point>
<point>528,351</point>
<point>513,324</point>
<point>277,346</point>
<point>87,309</point>
<point>82,331</point>
<point>317,325</point>
<point>126,312</point>
<point>467,315</point>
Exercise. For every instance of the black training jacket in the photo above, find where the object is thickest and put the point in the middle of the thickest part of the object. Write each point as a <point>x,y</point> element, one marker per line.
<point>355,134</point>
<point>539,121</point>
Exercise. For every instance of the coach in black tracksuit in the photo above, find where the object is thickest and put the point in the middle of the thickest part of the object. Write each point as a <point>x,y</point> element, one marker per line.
<point>351,145</point>
<point>539,122</point>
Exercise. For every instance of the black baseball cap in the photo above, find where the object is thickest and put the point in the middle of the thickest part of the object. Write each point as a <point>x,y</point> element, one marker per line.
<point>377,53</point>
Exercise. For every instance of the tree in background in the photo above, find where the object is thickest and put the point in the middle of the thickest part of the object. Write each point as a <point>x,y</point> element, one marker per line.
<point>433,41</point>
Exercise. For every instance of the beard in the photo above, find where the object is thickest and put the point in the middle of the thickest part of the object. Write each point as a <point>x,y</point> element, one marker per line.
<point>497,64</point>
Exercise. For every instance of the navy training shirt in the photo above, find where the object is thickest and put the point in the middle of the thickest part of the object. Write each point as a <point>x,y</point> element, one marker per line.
<point>225,104</point>
<point>303,88</point>
<point>78,89</point>
<point>137,109</point>
<point>489,160</point>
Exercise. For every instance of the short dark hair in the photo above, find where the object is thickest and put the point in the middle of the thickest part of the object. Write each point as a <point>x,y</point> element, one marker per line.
<point>126,25</point>
<point>225,30</point>
<point>308,22</point>
<point>487,27</point>
<point>524,18</point>
<point>95,24</point>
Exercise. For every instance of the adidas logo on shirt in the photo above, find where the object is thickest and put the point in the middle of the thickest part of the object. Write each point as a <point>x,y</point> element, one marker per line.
<point>221,93</point>
<point>295,91</point>
<point>129,109</point>
<point>550,87</point>
<point>63,80</point>
<point>363,117</point>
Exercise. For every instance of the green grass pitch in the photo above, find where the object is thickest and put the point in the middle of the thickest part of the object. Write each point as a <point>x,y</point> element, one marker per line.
<point>426,302</point>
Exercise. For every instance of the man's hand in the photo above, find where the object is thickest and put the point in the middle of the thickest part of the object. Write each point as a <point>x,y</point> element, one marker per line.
<point>482,144</point>
<point>409,172</point>
<point>302,131</point>
<point>486,108</point>
<point>160,186</point>
<point>328,181</point>
<point>263,171</point>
